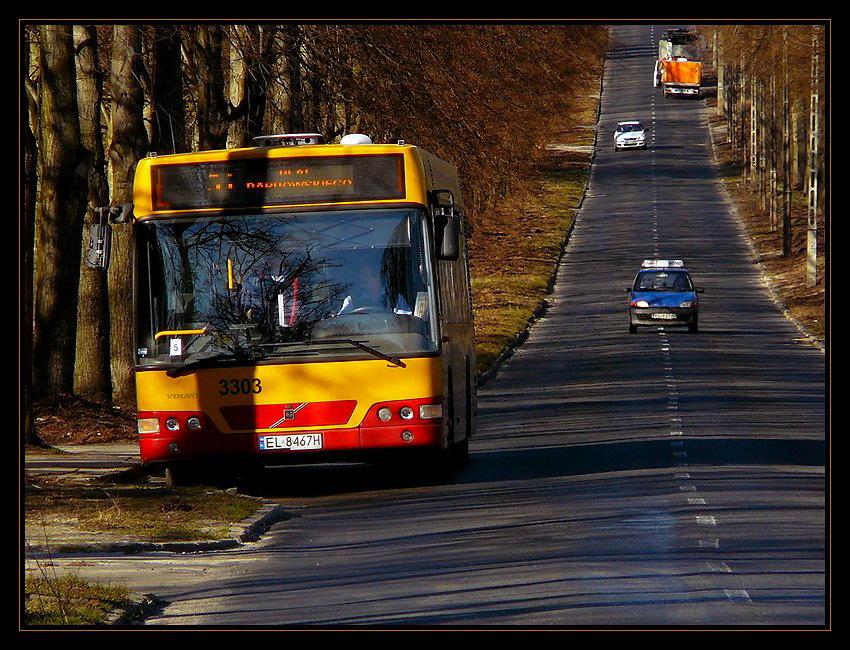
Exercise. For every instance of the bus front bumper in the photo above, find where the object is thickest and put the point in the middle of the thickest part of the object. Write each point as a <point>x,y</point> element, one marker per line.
<point>288,447</point>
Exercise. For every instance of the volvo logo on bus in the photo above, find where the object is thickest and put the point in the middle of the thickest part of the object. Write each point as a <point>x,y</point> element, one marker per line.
<point>288,414</point>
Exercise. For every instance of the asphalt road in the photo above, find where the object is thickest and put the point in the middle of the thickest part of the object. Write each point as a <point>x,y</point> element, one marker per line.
<point>656,479</point>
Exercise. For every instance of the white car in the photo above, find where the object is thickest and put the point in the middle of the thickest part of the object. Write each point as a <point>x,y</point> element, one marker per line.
<point>629,135</point>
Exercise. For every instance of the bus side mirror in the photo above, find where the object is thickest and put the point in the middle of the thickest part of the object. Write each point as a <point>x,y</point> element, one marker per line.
<point>99,247</point>
<point>99,241</point>
<point>446,225</point>
<point>450,240</point>
<point>100,233</point>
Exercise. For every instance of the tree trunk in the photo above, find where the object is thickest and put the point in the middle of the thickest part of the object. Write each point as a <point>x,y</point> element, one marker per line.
<point>169,113</point>
<point>60,207</point>
<point>719,70</point>
<point>31,437</point>
<point>787,234</point>
<point>211,122</point>
<point>292,52</point>
<point>772,171</point>
<point>128,142</point>
<point>237,92</point>
<point>813,186</point>
<point>91,370</point>
<point>800,143</point>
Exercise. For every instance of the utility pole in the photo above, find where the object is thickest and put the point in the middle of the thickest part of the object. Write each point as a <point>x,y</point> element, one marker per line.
<point>812,234</point>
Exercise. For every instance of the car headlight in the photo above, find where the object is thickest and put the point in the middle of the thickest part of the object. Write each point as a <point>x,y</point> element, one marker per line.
<point>686,303</point>
<point>640,303</point>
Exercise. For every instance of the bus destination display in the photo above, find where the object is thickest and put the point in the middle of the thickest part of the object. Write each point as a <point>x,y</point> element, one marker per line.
<point>255,182</point>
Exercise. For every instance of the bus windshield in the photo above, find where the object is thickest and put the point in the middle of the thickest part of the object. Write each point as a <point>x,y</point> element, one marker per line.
<point>333,284</point>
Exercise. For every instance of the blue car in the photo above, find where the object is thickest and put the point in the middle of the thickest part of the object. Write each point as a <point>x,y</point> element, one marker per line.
<point>663,294</point>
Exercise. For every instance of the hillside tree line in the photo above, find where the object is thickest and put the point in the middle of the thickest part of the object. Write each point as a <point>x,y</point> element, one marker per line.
<point>97,98</point>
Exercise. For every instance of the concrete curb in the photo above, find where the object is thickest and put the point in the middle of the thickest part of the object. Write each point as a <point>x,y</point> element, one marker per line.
<point>140,607</point>
<point>246,531</point>
<point>742,227</point>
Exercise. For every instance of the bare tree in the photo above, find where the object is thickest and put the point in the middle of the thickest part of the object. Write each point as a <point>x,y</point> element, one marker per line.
<point>30,108</point>
<point>168,104</point>
<point>61,203</point>
<point>127,144</point>
<point>462,91</point>
<point>91,368</point>
<point>767,55</point>
<point>206,73</point>
<point>251,57</point>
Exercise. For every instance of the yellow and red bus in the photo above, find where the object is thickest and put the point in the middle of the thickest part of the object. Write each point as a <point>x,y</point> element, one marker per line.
<point>301,302</point>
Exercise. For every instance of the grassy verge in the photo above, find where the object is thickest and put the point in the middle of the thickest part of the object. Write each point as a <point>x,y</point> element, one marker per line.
<point>68,511</point>
<point>516,251</point>
<point>70,600</point>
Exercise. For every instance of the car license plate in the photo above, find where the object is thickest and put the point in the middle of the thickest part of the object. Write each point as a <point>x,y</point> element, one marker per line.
<point>294,442</point>
<point>664,316</point>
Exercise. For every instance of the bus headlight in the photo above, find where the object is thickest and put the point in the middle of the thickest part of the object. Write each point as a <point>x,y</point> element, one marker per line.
<point>406,413</point>
<point>172,424</point>
<point>384,414</point>
<point>194,424</point>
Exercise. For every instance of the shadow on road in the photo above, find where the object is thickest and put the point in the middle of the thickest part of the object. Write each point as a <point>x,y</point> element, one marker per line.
<point>540,463</point>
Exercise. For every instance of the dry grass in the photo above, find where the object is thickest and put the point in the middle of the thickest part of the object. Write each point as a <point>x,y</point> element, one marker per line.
<point>515,250</point>
<point>67,419</point>
<point>136,512</point>
<point>69,600</point>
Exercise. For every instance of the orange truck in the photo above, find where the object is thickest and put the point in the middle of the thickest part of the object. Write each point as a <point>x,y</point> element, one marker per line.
<point>680,76</point>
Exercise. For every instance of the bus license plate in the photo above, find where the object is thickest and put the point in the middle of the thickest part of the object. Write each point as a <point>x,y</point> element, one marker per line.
<point>295,442</point>
<point>663,316</point>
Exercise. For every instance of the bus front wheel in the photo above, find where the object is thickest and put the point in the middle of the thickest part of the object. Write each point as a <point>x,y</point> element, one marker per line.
<point>178,474</point>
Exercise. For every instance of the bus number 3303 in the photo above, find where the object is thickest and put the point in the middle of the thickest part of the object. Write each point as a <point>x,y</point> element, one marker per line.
<point>240,387</point>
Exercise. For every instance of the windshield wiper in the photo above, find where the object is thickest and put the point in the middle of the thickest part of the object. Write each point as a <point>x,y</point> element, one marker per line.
<point>377,353</point>
<point>212,361</point>
<point>386,357</point>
